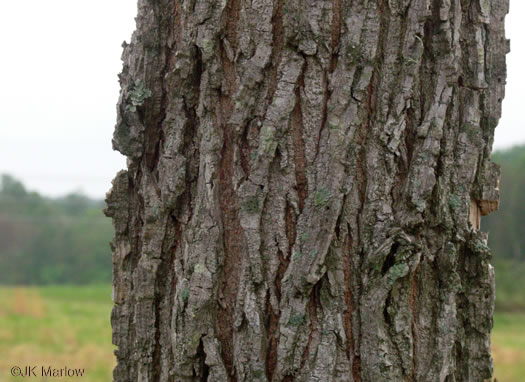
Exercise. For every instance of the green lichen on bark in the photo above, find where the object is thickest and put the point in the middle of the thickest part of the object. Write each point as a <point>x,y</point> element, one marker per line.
<point>251,205</point>
<point>321,197</point>
<point>137,95</point>
<point>297,319</point>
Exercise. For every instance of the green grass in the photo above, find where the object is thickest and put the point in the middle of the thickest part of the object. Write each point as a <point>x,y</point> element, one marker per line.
<point>70,326</point>
<point>508,347</point>
<point>56,326</point>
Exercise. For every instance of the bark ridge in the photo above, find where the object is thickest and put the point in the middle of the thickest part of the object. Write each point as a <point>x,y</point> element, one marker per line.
<point>303,193</point>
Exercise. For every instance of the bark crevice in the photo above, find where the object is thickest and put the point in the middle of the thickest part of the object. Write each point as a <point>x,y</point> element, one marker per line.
<point>303,191</point>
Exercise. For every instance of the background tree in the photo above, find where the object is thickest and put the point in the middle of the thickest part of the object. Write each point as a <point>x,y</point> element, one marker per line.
<point>507,232</point>
<point>51,241</point>
<point>304,186</point>
<point>508,239</point>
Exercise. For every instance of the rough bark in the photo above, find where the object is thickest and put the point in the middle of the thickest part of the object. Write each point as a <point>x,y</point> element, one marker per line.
<point>304,186</point>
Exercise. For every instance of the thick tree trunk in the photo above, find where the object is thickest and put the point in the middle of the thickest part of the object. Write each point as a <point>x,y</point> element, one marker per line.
<point>304,186</point>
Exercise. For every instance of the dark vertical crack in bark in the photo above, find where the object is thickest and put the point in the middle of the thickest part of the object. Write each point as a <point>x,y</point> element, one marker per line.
<point>204,368</point>
<point>274,317</point>
<point>313,307</point>
<point>136,228</point>
<point>165,288</point>
<point>291,233</point>
<point>232,231</point>
<point>232,236</point>
<point>298,144</point>
<point>154,136</point>
<point>326,97</point>
<point>272,328</point>
<point>336,33</point>
<point>232,19</point>
<point>244,151</point>
<point>178,29</point>
<point>347,272</point>
<point>412,302</point>
<point>273,320</point>
<point>277,47</point>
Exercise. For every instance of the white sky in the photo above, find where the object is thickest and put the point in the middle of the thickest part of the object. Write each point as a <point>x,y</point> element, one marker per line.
<point>59,88</point>
<point>58,91</point>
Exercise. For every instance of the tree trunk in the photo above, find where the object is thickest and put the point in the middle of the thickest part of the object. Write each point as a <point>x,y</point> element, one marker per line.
<point>304,187</point>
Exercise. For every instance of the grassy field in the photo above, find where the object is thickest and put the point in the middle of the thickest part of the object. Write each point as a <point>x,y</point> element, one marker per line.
<point>69,326</point>
<point>57,327</point>
<point>508,347</point>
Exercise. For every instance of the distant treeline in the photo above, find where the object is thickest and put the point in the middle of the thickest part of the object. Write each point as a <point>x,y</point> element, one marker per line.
<point>506,226</point>
<point>66,240</point>
<point>506,229</point>
<point>52,241</point>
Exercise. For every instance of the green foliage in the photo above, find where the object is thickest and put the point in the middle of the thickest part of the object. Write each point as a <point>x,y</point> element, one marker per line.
<point>506,226</point>
<point>507,231</point>
<point>137,96</point>
<point>510,294</point>
<point>9,186</point>
<point>52,241</point>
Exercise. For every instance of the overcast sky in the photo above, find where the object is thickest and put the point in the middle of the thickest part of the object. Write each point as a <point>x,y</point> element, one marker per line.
<point>59,88</point>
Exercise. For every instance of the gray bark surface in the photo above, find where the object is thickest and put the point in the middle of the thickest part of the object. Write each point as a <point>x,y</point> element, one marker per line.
<point>304,187</point>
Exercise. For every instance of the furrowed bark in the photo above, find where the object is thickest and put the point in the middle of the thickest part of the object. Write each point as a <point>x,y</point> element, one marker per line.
<point>304,187</point>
